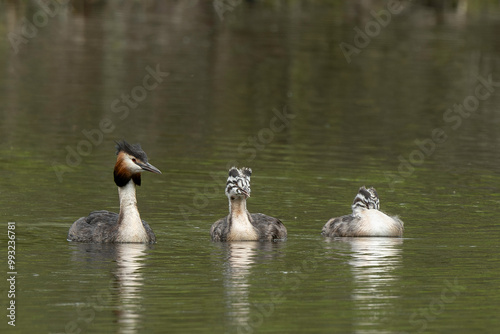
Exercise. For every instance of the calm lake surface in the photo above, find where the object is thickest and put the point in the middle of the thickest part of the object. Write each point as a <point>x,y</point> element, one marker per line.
<point>299,91</point>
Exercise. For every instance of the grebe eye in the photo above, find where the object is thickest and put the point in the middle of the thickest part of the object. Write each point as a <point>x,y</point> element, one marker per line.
<point>134,160</point>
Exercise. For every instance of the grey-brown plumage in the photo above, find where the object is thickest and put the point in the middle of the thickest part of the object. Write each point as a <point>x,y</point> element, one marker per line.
<point>267,227</point>
<point>366,219</point>
<point>101,227</point>
<point>240,225</point>
<point>127,226</point>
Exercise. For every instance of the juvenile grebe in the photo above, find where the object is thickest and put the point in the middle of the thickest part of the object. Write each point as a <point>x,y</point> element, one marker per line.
<point>240,225</point>
<point>104,226</point>
<point>366,220</point>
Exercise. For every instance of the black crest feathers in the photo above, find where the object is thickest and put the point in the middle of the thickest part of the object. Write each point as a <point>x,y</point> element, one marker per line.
<point>134,150</point>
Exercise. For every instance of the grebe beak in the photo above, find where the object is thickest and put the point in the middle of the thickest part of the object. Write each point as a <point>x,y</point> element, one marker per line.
<point>244,192</point>
<point>148,167</point>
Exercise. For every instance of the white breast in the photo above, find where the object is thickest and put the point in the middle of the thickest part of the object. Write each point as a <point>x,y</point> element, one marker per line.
<point>131,228</point>
<point>378,224</point>
<point>242,229</point>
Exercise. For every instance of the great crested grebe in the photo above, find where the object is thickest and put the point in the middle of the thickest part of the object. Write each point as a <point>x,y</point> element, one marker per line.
<point>366,220</point>
<point>104,226</point>
<point>240,225</point>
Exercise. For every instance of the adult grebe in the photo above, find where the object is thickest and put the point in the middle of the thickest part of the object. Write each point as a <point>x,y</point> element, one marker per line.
<point>240,225</point>
<point>104,226</point>
<point>366,220</point>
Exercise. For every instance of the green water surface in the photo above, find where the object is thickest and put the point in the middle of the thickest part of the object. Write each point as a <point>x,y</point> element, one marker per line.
<point>265,85</point>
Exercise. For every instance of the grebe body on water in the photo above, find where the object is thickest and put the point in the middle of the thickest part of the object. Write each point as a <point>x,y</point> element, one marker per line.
<point>366,219</point>
<point>240,225</point>
<point>127,226</point>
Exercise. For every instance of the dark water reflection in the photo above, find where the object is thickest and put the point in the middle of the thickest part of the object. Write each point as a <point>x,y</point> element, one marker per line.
<point>201,93</point>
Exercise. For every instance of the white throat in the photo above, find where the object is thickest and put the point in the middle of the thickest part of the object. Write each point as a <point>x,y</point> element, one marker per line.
<point>130,224</point>
<point>241,227</point>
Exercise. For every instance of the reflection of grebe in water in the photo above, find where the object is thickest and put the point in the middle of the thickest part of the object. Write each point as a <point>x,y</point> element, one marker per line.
<point>366,219</point>
<point>130,261</point>
<point>124,294</point>
<point>376,283</point>
<point>240,225</point>
<point>104,226</point>
<point>241,256</point>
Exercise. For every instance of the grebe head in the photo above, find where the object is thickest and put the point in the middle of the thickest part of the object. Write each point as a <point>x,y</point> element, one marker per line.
<point>367,199</point>
<point>238,183</point>
<point>130,162</point>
